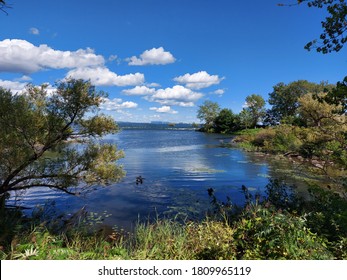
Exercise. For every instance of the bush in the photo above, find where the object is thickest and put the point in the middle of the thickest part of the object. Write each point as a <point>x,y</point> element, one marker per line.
<point>265,233</point>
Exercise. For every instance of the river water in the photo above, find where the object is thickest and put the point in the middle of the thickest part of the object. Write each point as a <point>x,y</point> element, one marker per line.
<point>178,166</point>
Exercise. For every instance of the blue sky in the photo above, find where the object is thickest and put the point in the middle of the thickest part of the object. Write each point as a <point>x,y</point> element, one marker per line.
<point>160,60</point>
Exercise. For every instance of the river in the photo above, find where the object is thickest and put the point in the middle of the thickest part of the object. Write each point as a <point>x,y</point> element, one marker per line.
<point>178,166</point>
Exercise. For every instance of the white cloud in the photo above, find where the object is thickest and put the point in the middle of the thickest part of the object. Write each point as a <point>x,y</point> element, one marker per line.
<point>177,95</point>
<point>25,78</point>
<point>23,57</point>
<point>164,109</point>
<point>15,87</point>
<point>139,90</point>
<point>198,80</point>
<point>219,91</point>
<point>102,76</point>
<point>34,31</point>
<point>152,57</point>
<point>117,104</point>
<point>19,87</point>
<point>153,85</point>
<point>114,58</point>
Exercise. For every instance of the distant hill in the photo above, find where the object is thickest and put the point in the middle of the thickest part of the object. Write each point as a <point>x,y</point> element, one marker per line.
<point>156,125</point>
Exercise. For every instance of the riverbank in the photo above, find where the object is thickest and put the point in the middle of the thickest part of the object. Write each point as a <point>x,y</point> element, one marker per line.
<point>301,146</point>
<point>276,227</point>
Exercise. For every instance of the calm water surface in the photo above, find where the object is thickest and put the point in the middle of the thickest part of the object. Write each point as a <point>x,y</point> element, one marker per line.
<point>178,166</point>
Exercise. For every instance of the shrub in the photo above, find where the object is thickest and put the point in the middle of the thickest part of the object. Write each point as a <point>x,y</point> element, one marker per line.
<point>264,233</point>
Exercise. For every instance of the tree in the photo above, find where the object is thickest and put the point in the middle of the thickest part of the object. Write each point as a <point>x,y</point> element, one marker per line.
<point>318,113</point>
<point>284,98</point>
<point>207,113</point>
<point>225,121</point>
<point>51,140</point>
<point>338,96</point>
<point>245,119</point>
<point>256,107</point>
<point>325,135</point>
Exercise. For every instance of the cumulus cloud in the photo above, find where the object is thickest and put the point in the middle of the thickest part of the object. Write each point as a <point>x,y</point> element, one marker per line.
<point>117,104</point>
<point>102,76</point>
<point>20,56</point>
<point>139,90</point>
<point>152,57</point>
<point>198,80</point>
<point>34,31</point>
<point>164,109</point>
<point>177,95</point>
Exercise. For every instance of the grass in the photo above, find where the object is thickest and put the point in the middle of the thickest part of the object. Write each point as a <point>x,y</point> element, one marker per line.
<point>162,240</point>
<point>248,131</point>
<point>258,232</point>
<point>278,226</point>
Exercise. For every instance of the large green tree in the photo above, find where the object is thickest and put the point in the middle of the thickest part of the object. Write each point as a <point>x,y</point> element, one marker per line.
<point>50,140</point>
<point>208,113</point>
<point>226,121</point>
<point>256,106</point>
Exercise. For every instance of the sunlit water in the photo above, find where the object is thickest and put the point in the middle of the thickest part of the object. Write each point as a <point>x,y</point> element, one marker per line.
<point>178,166</point>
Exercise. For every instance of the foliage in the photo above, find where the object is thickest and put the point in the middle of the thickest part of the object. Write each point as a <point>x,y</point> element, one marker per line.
<point>171,240</point>
<point>245,119</point>
<point>279,139</point>
<point>50,140</point>
<point>226,121</point>
<point>285,225</point>
<point>338,96</point>
<point>327,214</point>
<point>256,108</point>
<point>316,112</point>
<point>207,113</point>
<point>334,26</point>
<point>265,233</point>
<point>284,97</point>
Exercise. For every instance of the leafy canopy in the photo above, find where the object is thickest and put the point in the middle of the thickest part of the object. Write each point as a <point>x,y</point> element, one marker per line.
<point>256,108</point>
<point>207,113</point>
<point>284,97</point>
<point>51,140</point>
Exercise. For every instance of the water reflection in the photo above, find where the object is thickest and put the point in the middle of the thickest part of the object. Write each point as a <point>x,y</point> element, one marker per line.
<point>178,166</point>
